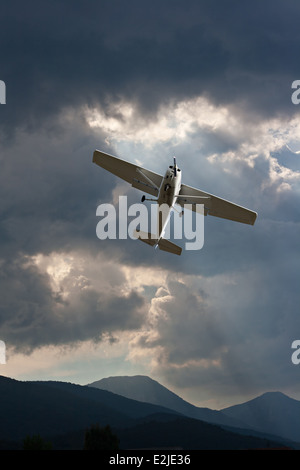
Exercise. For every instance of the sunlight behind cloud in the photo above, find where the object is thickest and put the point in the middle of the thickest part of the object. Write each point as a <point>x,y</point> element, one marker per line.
<point>174,121</point>
<point>57,266</point>
<point>74,272</point>
<point>180,122</point>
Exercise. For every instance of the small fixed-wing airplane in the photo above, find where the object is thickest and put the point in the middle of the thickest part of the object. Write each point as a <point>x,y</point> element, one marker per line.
<point>169,190</point>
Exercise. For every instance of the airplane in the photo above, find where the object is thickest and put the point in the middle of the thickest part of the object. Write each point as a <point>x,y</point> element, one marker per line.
<point>169,190</point>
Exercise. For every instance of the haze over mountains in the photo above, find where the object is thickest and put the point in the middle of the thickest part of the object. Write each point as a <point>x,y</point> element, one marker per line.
<point>272,412</point>
<point>145,389</point>
<point>61,412</point>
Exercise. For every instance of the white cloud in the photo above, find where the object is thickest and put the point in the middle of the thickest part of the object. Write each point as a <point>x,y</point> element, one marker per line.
<point>174,121</point>
<point>181,122</point>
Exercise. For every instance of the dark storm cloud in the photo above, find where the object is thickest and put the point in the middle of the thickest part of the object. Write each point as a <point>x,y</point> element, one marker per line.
<point>56,54</point>
<point>49,192</point>
<point>49,188</point>
<point>32,315</point>
<point>235,331</point>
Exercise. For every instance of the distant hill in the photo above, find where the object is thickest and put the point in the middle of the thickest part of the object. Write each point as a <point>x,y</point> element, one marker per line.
<point>60,412</point>
<point>54,408</point>
<point>145,389</point>
<point>190,434</point>
<point>272,412</point>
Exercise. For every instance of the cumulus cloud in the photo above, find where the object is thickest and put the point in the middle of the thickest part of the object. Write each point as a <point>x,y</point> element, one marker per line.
<point>149,55</point>
<point>51,300</point>
<point>229,333</point>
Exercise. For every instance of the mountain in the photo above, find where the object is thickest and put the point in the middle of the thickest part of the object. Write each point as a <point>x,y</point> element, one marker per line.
<point>190,434</point>
<point>147,390</point>
<point>54,408</point>
<point>272,412</point>
<point>60,412</point>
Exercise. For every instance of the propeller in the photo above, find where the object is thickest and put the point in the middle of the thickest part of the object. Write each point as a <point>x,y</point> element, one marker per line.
<point>175,167</point>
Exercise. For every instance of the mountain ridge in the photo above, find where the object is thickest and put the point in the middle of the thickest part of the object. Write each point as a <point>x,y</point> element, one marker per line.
<point>62,411</point>
<point>253,414</point>
<point>271,412</point>
<point>145,389</point>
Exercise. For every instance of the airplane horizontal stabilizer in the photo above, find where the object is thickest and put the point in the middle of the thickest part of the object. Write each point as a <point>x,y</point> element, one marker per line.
<point>166,245</point>
<point>146,237</point>
<point>163,244</point>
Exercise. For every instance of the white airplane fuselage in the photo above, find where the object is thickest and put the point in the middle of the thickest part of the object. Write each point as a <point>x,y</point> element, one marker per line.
<point>168,193</point>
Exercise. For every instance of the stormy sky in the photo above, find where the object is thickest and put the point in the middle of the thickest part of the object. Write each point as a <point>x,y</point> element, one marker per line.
<point>209,82</point>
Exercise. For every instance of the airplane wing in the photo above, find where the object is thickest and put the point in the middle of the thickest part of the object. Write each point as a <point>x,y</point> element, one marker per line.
<point>137,176</point>
<point>215,206</point>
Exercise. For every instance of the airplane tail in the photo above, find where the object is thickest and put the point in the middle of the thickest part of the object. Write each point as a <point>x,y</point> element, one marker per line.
<point>162,244</point>
<point>166,245</point>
